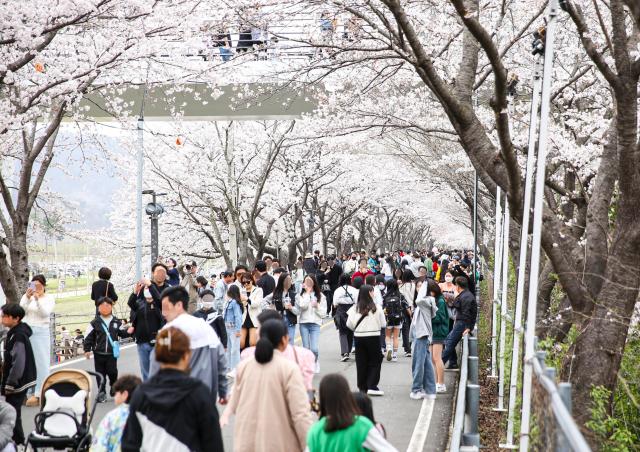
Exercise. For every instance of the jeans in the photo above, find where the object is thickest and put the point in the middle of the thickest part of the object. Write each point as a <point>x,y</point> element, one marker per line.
<point>225,53</point>
<point>450,343</point>
<point>368,362</point>
<point>41,345</point>
<point>292,333</point>
<point>310,333</point>
<point>421,367</point>
<point>233,349</point>
<point>144,356</point>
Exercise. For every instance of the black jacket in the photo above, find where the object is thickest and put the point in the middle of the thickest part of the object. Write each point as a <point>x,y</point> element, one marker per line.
<point>99,289</point>
<point>216,321</point>
<point>334,277</point>
<point>278,303</point>
<point>19,366</point>
<point>267,284</point>
<point>156,290</point>
<point>178,405</point>
<point>96,339</point>
<point>466,309</point>
<point>146,318</point>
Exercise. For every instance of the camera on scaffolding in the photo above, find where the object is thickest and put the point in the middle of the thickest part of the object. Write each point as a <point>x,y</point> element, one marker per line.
<point>537,45</point>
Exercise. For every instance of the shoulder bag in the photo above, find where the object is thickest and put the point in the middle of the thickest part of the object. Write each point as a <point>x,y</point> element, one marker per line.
<point>115,345</point>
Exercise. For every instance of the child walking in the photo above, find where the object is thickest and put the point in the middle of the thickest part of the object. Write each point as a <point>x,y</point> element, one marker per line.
<point>232,314</point>
<point>19,368</point>
<point>109,434</point>
<point>101,338</point>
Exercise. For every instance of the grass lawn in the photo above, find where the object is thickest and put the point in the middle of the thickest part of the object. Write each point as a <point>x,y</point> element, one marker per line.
<point>71,284</point>
<point>77,312</point>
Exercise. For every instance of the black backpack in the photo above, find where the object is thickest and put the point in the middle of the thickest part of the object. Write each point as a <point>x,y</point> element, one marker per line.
<point>393,306</point>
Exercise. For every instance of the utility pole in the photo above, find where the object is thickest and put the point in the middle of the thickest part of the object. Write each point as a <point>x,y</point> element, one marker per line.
<point>538,208</point>
<point>233,188</point>
<point>140,155</point>
<point>154,210</point>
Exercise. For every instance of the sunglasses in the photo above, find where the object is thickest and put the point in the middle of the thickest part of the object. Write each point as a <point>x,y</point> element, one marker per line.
<point>247,283</point>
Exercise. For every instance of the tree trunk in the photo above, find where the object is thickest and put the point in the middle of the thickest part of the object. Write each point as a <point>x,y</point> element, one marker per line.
<point>598,350</point>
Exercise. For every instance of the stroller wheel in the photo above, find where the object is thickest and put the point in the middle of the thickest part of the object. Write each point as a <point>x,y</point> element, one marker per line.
<point>83,445</point>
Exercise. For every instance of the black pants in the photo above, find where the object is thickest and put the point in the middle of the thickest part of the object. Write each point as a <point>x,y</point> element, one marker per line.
<point>368,362</point>
<point>406,344</point>
<point>107,366</point>
<point>16,401</point>
<point>346,341</point>
<point>329,297</point>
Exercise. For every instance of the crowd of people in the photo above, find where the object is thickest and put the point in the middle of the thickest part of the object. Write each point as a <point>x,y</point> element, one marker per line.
<point>251,32</point>
<point>202,341</point>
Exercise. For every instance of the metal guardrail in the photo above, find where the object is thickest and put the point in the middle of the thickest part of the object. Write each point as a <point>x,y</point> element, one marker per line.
<point>63,348</point>
<point>568,436</point>
<point>465,435</point>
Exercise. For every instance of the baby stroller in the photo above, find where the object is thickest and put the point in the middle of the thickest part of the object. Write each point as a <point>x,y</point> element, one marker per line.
<point>64,420</point>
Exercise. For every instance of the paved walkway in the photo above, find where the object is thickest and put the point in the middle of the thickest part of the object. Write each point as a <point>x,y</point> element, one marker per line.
<point>411,425</point>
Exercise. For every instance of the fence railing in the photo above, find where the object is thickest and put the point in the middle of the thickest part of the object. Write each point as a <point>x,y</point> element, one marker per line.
<point>465,435</point>
<point>557,429</point>
<point>64,345</point>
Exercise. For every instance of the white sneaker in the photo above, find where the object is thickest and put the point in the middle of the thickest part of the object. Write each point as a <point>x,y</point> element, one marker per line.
<point>416,395</point>
<point>394,357</point>
<point>375,392</point>
<point>388,354</point>
<point>440,388</point>
<point>317,371</point>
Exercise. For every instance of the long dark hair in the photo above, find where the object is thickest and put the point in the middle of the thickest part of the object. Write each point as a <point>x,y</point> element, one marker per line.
<point>392,287</point>
<point>364,404</point>
<point>279,290</point>
<point>316,287</point>
<point>337,404</point>
<point>408,276</point>
<point>433,286</point>
<point>271,333</point>
<point>365,303</point>
<point>445,266</point>
<point>233,292</point>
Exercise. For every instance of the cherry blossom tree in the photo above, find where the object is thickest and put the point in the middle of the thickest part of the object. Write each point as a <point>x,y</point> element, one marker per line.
<point>447,71</point>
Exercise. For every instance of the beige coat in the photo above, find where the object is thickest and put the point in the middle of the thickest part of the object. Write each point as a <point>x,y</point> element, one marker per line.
<point>271,407</point>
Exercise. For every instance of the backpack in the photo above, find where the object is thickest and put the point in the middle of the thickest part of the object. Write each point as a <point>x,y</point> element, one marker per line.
<point>393,306</point>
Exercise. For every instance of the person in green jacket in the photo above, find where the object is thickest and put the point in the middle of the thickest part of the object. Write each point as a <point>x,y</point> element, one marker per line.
<point>440,326</point>
<point>341,425</point>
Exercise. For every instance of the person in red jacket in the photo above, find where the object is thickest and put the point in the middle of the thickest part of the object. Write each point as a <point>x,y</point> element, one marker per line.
<point>362,271</point>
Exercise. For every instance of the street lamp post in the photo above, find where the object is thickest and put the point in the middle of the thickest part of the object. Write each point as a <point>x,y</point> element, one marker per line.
<point>140,163</point>
<point>154,210</point>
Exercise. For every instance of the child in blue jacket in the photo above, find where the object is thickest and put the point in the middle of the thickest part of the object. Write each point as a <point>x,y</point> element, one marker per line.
<point>232,314</point>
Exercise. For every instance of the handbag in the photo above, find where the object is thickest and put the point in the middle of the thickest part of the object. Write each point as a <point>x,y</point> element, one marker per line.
<point>115,345</point>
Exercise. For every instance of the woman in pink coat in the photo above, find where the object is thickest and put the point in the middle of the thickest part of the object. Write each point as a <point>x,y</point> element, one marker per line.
<point>269,398</point>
